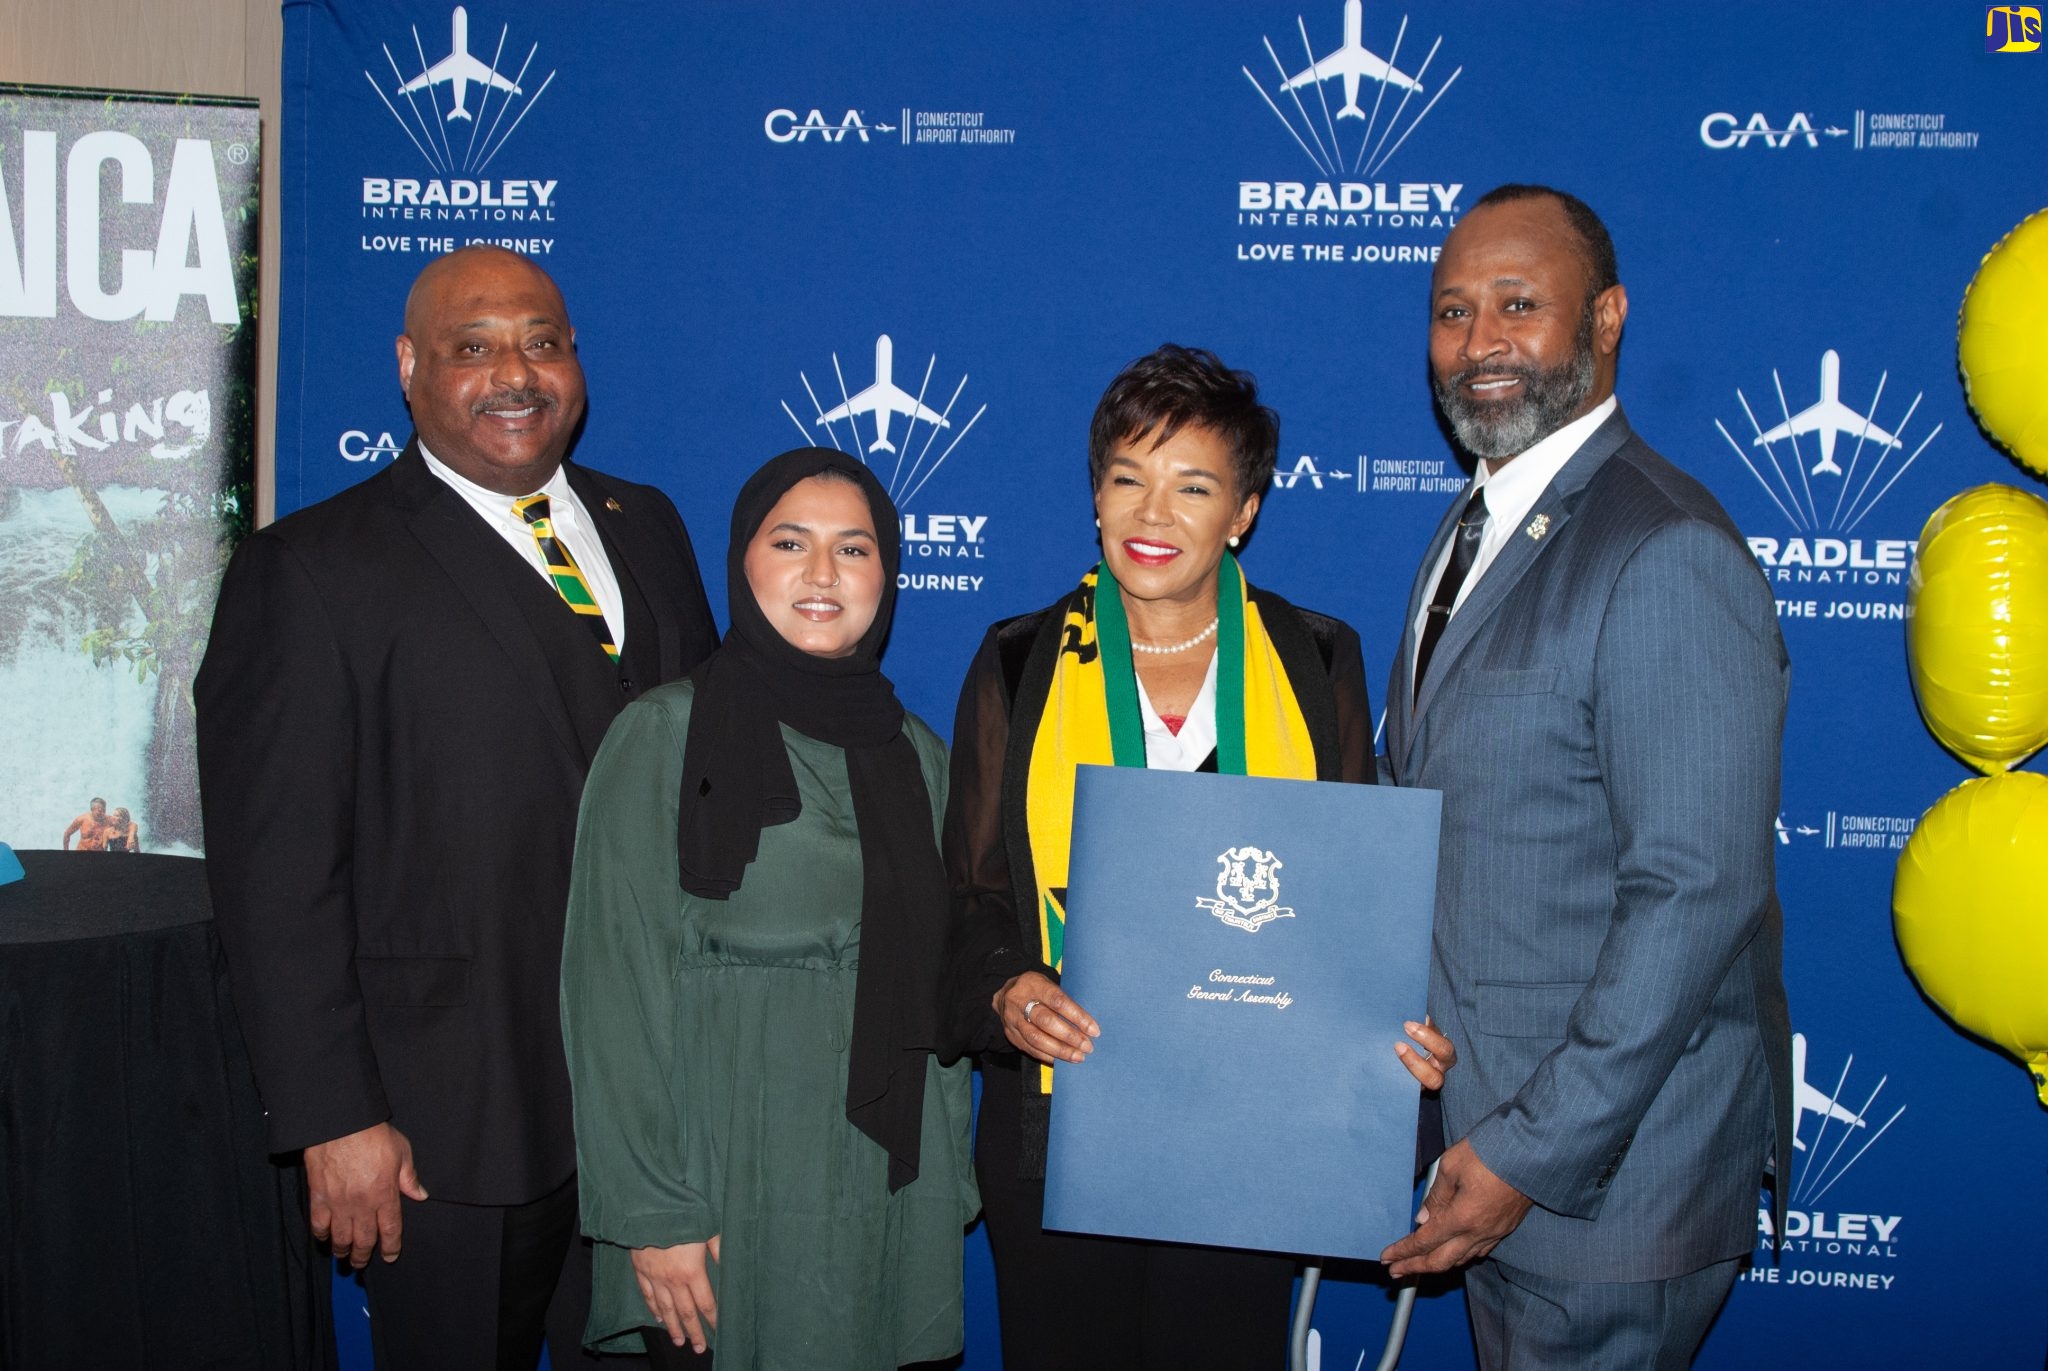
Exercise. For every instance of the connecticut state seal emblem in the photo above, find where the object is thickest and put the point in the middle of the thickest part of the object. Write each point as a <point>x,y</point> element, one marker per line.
<point>1247,889</point>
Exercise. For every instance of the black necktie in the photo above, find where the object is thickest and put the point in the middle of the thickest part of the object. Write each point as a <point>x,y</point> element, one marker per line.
<point>1465,542</point>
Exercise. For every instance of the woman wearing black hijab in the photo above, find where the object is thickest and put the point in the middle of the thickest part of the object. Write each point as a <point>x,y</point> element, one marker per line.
<point>771,1161</point>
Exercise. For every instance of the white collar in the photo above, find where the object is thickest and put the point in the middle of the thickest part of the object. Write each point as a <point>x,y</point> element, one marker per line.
<point>1513,486</point>
<point>556,487</point>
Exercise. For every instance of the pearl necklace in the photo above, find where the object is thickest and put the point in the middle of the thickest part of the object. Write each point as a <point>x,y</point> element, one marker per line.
<point>1168,649</point>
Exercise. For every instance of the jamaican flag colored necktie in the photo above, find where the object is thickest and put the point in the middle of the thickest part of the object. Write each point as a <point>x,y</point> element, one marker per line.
<point>563,571</point>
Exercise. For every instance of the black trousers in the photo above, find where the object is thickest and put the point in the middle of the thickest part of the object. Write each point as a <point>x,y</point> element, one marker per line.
<point>1068,1301</point>
<point>481,1287</point>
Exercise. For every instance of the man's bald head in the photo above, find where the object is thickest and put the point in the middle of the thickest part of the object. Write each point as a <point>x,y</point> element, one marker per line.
<point>462,269</point>
<point>488,364</point>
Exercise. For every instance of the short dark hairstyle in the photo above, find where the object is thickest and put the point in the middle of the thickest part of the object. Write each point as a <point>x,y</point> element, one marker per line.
<point>1170,388</point>
<point>1596,245</point>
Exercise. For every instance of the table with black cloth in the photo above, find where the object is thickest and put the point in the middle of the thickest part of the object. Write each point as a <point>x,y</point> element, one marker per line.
<point>141,1223</point>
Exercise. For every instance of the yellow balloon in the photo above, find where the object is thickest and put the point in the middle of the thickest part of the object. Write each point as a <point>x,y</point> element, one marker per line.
<point>1970,910</point>
<point>1977,625</point>
<point>2002,344</point>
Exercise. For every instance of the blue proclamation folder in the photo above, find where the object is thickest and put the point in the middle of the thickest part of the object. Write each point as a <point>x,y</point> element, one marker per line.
<point>1250,948</point>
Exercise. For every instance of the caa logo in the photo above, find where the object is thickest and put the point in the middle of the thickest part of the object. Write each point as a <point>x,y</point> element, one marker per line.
<point>1784,833</point>
<point>357,446</point>
<point>1305,469</point>
<point>783,126</point>
<point>2012,28</point>
<point>1724,130</point>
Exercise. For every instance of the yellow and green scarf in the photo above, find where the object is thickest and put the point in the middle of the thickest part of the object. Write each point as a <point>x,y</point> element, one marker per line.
<point>1092,718</point>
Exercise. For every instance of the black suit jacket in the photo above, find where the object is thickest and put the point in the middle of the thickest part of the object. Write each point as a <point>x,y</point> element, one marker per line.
<point>396,715</point>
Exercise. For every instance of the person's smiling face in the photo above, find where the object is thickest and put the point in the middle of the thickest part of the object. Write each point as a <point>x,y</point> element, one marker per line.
<point>1168,512</point>
<point>815,568</point>
<point>1518,346</point>
<point>488,363</point>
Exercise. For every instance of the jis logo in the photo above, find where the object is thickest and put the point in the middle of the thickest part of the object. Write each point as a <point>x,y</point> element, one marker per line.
<point>1247,889</point>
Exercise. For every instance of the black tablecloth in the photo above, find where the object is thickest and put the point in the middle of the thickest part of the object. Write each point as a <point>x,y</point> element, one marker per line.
<point>141,1223</point>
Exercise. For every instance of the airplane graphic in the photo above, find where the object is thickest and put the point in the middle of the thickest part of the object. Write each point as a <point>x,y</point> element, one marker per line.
<point>1829,418</point>
<point>1352,61</point>
<point>884,399</point>
<point>458,69</point>
<point>1808,1100</point>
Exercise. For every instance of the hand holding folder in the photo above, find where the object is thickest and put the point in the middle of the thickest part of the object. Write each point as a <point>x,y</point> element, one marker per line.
<point>1250,970</point>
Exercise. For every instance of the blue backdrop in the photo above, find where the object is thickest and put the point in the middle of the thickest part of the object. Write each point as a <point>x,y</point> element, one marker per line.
<point>755,211</point>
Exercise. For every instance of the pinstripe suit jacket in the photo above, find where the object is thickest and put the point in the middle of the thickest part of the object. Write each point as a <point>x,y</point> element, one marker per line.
<point>1603,715</point>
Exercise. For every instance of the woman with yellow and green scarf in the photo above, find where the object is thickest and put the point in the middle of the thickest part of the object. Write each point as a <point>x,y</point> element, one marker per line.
<point>1164,657</point>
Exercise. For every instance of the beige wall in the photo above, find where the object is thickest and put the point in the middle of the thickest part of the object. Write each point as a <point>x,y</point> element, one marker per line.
<point>208,47</point>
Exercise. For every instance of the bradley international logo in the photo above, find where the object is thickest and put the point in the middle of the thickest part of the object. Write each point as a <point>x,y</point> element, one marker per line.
<point>2012,28</point>
<point>1827,1243</point>
<point>1357,151</point>
<point>1349,111</point>
<point>863,422</point>
<point>437,98</point>
<point>1825,468</point>
<point>457,113</point>
<point>1247,889</point>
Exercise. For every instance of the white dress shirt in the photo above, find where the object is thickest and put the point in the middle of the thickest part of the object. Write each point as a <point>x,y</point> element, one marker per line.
<point>1511,491</point>
<point>573,530</point>
<point>1166,750</point>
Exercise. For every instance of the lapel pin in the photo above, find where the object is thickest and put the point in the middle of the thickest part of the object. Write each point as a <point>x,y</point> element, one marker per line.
<point>1538,526</point>
<point>613,505</point>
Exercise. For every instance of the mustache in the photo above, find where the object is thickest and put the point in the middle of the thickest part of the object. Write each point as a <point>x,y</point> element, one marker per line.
<point>515,399</point>
<point>1492,373</point>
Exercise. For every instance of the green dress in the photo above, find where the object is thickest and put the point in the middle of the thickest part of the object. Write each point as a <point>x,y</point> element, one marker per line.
<point>707,1045</point>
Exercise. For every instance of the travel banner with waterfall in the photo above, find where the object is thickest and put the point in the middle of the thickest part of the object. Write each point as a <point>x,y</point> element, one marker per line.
<point>128,238</point>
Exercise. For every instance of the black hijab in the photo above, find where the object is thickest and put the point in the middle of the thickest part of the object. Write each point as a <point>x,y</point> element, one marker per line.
<point>737,781</point>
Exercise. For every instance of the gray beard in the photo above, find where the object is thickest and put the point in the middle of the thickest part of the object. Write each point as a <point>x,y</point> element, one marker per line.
<point>1547,402</point>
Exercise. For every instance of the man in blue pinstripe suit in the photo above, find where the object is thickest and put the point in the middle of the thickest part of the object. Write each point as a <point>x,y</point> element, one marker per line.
<point>1592,674</point>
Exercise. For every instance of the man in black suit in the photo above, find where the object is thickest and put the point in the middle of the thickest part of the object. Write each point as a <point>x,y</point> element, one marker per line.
<point>404,689</point>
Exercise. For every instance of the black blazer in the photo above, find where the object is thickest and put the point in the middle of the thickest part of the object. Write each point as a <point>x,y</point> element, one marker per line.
<point>395,719</point>
<point>987,841</point>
